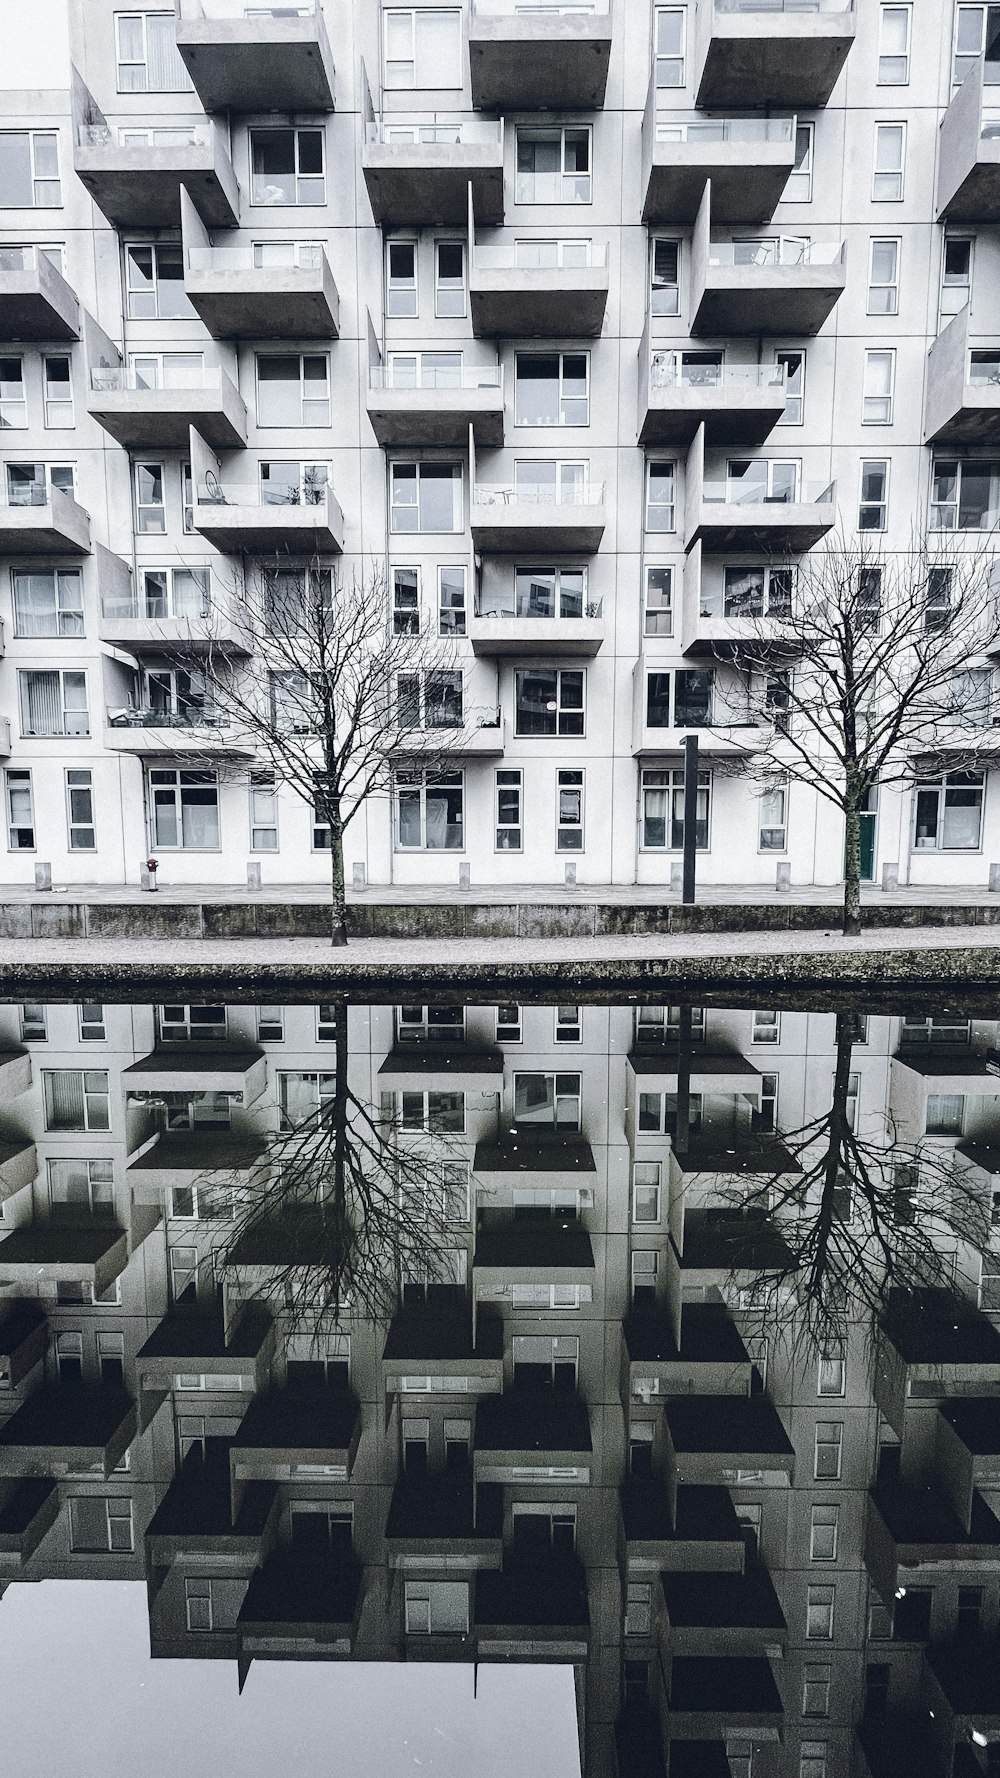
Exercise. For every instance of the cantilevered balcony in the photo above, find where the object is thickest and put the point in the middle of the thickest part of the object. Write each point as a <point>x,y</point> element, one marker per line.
<point>968,1451</point>
<point>721,1613</point>
<point>723,1695</point>
<point>199,1068</point>
<point>538,515</point>
<point>37,519</point>
<point>747,159</point>
<point>751,53</point>
<point>412,402</point>
<point>65,1428</point>
<point>146,415</point>
<point>434,1517</point>
<point>968,177</point>
<point>195,1341</point>
<point>250,57</point>
<point>263,292</point>
<point>420,172</point>
<point>198,1513</point>
<point>135,173</point>
<point>894,1741</point>
<point>961,1691</point>
<point>509,1251</point>
<point>24,1339</point>
<point>305,1425</point>
<point>656,1065</point>
<point>481,734</point>
<point>738,404</point>
<point>531,1427</point>
<point>914,1529</point>
<point>52,1252</point>
<point>18,1159</point>
<point>962,398</point>
<point>752,512</point>
<point>36,303</point>
<point>151,730</point>
<point>546,57</point>
<point>666,707</point>
<point>155,617</point>
<point>722,1242</point>
<point>436,1337</point>
<point>515,291</point>
<point>461,1067</point>
<point>15,1073</point>
<point>711,1358</point>
<point>537,1603</point>
<point>694,1529</point>
<point>507,621</point>
<point>929,1348</point>
<point>301,1604</point>
<point>179,1159</point>
<point>768,285</point>
<point>550,1157</point>
<point>244,517</point>
<point>726,604</point>
<point>709,1436</point>
<point>28,1509</point>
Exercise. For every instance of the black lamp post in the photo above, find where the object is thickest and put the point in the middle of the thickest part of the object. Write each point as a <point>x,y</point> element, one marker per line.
<point>690,817</point>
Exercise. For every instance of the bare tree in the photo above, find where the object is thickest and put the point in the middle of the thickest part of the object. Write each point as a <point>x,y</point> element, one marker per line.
<point>863,668</point>
<point>338,690</point>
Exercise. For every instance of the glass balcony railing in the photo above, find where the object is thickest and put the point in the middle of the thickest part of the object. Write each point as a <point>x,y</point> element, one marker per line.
<point>474,133</point>
<point>544,9</point>
<point>24,259</point>
<point>667,372</point>
<point>508,606</point>
<point>101,135</point>
<point>757,493</point>
<point>788,6</point>
<point>541,256</point>
<point>534,494</point>
<point>212,492</point>
<point>764,254</point>
<point>27,494</point>
<point>118,606</point>
<point>246,9</point>
<point>148,716</point>
<point>437,377</point>
<point>705,130</point>
<point>304,256</point>
<point>105,381</point>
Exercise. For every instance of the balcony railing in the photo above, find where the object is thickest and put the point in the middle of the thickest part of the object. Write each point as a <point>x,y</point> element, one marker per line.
<point>507,605</point>
<point>535,495</point>
<point>108,380</point>
<point>569,257</point>
<point>22,259</point>
<point>727,129</point>
<point>784,5</point>
<point>389,376</point>
<point>121,605</point>
<point>764,254</point>
<point>755,493</point>
<point>511,9</point>
<point>215,493</point>
<point>246,9</point>
<point>304,256</point>
<point>144,716</point>
<point>27,494</point>
<point>665,372</point>
<point>141,140</point>
<point>475,133</point>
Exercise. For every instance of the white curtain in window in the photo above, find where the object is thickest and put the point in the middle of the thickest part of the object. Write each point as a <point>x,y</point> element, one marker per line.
<point>200,817</point>
<point>166,71</point>
<point>41,705</point>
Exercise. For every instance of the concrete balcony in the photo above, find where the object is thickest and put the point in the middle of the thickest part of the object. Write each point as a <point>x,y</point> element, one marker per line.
<point>710,1359</point>
<point>721,1244</point>
<point>660,722</point>
<point>482,735</point>
<point>183,1158</point>
<point>750,53</point>
<point>15,1073</point>
<point>510,295</point>
<point>244,57</point>
<point>770,286</point>
<point>245,519</point>
<point>439,408</point>
<point>511,1252</point>
<point>39,520</point>
<point>499,627</point>
<point>896,1741</point>
<point>36,303</point>
<point>535,516</point>
<point>421,172</point>
<point>198,1514</point>
<point>929,1350</point>
<point>914,1535</point>
<point>174,734</point>
<point>549,58</point>
<point>721,1613</point>
<point>960,1693</point>
<point>738,404</point>
<point>24,1339</point>
<point>300,1605</point>
<point>139,625</point>
<point>709,1436</point>
<point>199,1068</point>
<point>747,159</point>
<point>28,1509</point>
<point>437,1337</point>
<point>413,1067</point>
<point>305,1425</point>
<point>239,298</point>
<point>145,418</point>
<point>742,515</point>
<point>135,175</point>
<point>697,1532</point>
<point>534,1156</point>
<point>434,1517</point>
<point>962,396</point>
<point>968,178</point>
<point>64,1253</point>
<point>62,1430</point>
<point>968,1451</point>
<point>528,1427</point>
<point>533,1607</point>
<point>718,617</point>
<point>713,1696</point>
<point>195,1341</point>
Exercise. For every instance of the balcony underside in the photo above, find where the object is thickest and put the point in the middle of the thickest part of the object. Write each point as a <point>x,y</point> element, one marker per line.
<point>269,530</point>
<point>259,64</point>
<point>786,300</point>
<point>148,195</point>
<point>972,194</point>
<point>747,180</point>
<point>37,305</point>
<point>527,303</point>
<point>973,419</point>
<point>502,529</point>
<point>58,528</point>
<point>730,417</point>
<point>771,58</point>
<point>410,184</point>
<point>550,63</point>
<point>156,419</point>
<point>415,417</point>
<point>254,305</point>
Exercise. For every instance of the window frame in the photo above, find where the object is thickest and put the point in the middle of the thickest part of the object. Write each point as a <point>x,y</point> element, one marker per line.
<point>297,131</point>
<point>882,127</point>
<point>14,826</point>
<point>887,284</point>
<point>877,407</point>
<point>884,55</point>
<point>513,785</point>
<point>562,399</point>
<point>35,178</point>
<point>75,824</point>
<point>538,132</point>
<point>195,780</point>
<point>562,712</point>
<point>866,466</point>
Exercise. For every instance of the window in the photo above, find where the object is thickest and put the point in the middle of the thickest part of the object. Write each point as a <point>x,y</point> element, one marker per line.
<point>437,1607</point>
<point>270,1024</point>
<point>644,1269</point>
<point>883,277</point>
<point>182,1023</point>
<point>880,372</point>
<point>76,1099</point>
<point>975,33</point>
<point>286,167</point>
<point>659,496</point>
<point>429,700</point>
<point>799,187</point>
<point>13,402</point>
<point>816,1684</point>
<point>970,1610</point>
<point>668,45</point>
<point>911,1618</point>
<point>935,1031</point>
<point>664,275</point>
<point>543,592</point>
<point>662,812</point>
<point>638,1607</point>
<point>956,274</point>
<point>965,495</point>
<point>263,812</point>
<point>184,810</point>
<point>680,698</point>
<point>819,1613</point>
<point>80,810</point>
<point>569,810</point>
<point>945,1114</point>
<point>429,811</point>
<point>48,602</point>
<point>509,811</point>
<point>830,1378</point>
<point>508,1024</point>
<point>57,390</point>
<point>765,1027</point>
<point>794,366</point>
<point>293,389</point>
<point>824,1532</point>
<point>148,61</point>
<point>422,47</point>
<point>551,1101</point>
<point>646,1192</point>
<point>400,279</point>
<point>53,703</point>
<point>425,496</point>
<point>772,830</point>
<point>552,389</point>
<point>29,170</point>
<point>890,152</point>
<point>81,1189</point>
<point>203,1203</point>
<point>754,592</point>
<point>302,1096</point>
<point>154,283</point>
<point>828,1451</point>
<point>100,1525</point>
<point>34,1022</point>
<point>658,606</point>
<point>874,498</point>
<point>894,46</point>
<point>406,601</point>
<point>150,507</point>
<point>568,1025</point>
<point>549,701</point>
<point>437,1114</point>
<point>451,601</point>
<point>430,1024</point>
<point>449,280</point>
<point>812,1759</point>
<point>553,166</point>
<point>949,813</point>
<point>20,812</point>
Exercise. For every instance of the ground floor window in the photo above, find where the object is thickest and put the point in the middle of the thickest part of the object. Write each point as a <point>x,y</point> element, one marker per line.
<point>949,813</point>
<point>184,810</point>
<point>662,809</point>
<point>430,811</point>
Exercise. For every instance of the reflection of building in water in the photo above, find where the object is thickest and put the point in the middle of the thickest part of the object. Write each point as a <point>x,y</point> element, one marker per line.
<point>582,1447</point>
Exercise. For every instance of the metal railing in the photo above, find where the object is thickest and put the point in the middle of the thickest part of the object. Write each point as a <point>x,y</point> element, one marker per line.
<point>667,372</point>
<point>107,380</point>
<point>308,257</point>
<point>535,494</point>
<point>390,376</point>
<point>404,135</point>
<point>27,494</point>
<point>570,256</point>
<point>755,493</point>
<point>768,253</point>
<point>118,606</point>
<point>727,129</point>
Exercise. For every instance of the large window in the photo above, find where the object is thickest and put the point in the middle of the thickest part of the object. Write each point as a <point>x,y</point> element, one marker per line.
<point>659,496</point>
<point>48,602</point>
<point>965,496</point>
<point>20,811</point>
<point>80,1189</point>
<point>293,389</point>
<point>680,698</point>
<point>553,166</point>
<point>174,592</point>
<point>29,170</point>
<point>949,813</point>
<point>76,1099</point>
<point>100,1525</point>
<point>430,811</point>
<point>425,496</point>
<point>549,701</point>
<point>154,283</point>
<point>422,47</point>
<point>184,810</point>
<point>429,700</point>
<point>148,59</point>
<point>668,45</point>
<point>287,167</point>
<point>549,1101</point>
<point>662,814</point>
<point>552,389</point>
<point>53,703</point>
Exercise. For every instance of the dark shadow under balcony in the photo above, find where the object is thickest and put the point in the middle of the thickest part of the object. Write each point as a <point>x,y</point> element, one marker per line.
<point>535,1601</point>
<point>28,1509</point>
<point>68,1427</point>
<point>963,1682</point>
<point>412,406</point>
<point>722,1613</point>
<point>196,1513</point>
<point>300,1604</point>
<point>711,1358</point>
<point>893,1743</point>
<point>725,1240</point>
<point>199,1068</point>
<point>514,291</point>
<point>507,1245</point>
<point>257,58</point>
<point>186,1157</point>
<point>553,1158</point>
<point>64,1252</point>
<point>420,172</point>
<point>303,1424</point>
<point>135,174</point>
<point>932,1328</point>
<point>912,1528</point>
<point>525,1424</point>
<point>550,57</point>
<point>195,1340</point>
<point>709,1434</point>
<point>639,1746</point>
<point>785,52</point>
<point>747,159</point>
<point>434,1516</point>
<point>24,1339</point>
<point>36,303</point>
<point>703,1535</point>
<point>468,1067</point>
<point>732,1693</point>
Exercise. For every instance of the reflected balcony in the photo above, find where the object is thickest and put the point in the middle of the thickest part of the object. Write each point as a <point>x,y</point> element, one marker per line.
<point>787,286</point>
<point>539,57</point>
<point>305,1430</point>
<point>198,1514</point>
<point>961,1690</point>
<point>460,1067</point>
<point>135,173</point>
<point>546,1156</point>
<point>37,519</point>
<point>245,518</point>
<point>411,404</point>
<point>968,176</point>
<point>536,515</point>
<point>62,1429</point>
<point>968,1451</point>
<point>740,513</point>
<point>747,159</point>
<point>192,1341</point>
<point>150,731</point>
<point>738,404</point>
<point>710,1437</point>
<point>695,1531</point>
<point>514,292</point>
<point>36,303</point>
<point>750,53</point>
<point>15,1073</point>
<point>434,1517</point>
<point>915,1535</point>
<point>722,1613</point>
<point>436,1337</point>
<point>717,1244</point>
<point>18,1160</point>
<point>253,57</point>
<point>655,1068</point>
<point>244,293</point>
<point>962,396</point>
<point>528,1428</point>
<point>931,1348</point>
<point>510,1251</point>
<point>55,1252</point>
<point>533,1606</point>
<point>158,621</point>
<point>301,1605</point>
<point>895,1741</point>
<point>28,1509</point>
<point>710,1360</point>
<point>179,1159</point>
<point>199,1068</point>
<point>723,1695</point>
<point>420,172</point>
<point>502,625</point>
<point>142,417</point>
<point>24,1339</point>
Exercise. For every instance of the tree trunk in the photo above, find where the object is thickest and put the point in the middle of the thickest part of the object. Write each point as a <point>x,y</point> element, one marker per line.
<point>338,898</point>
<point>852,868</point>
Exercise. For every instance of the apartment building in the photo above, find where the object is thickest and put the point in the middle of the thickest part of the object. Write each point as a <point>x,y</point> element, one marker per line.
<point>577,320</point>
<point>577,1441</point>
